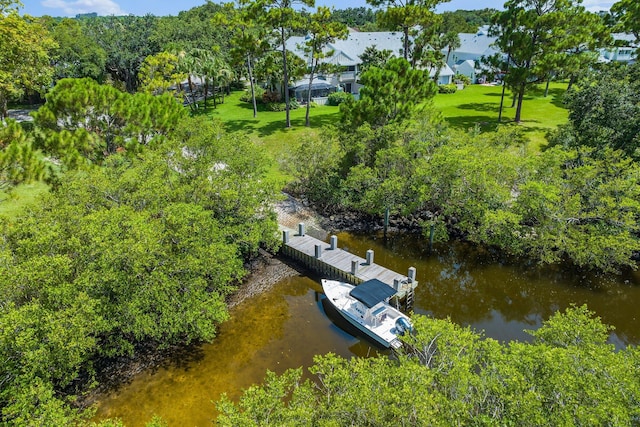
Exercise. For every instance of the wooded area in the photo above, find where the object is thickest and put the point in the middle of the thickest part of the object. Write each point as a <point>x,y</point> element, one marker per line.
<point>155,208</point>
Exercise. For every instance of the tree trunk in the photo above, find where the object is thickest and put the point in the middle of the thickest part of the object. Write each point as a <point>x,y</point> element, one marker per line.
<point>520,99</point>
<point>307,122</point>
<point>285,76</point>
<point>546,89</point>
<point>406,42</point>
<point>504,87</point>
<point>253,91</point>
<point>3,107</point>
<point>215,93</point>
<point>206,89</point>
<point>436,74</point>
<point>513,100</point>
<point>192,104</point>
<point>572,80</point>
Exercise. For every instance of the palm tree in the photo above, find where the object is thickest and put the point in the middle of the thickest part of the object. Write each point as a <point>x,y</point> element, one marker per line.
<point>189,64</point>
<point>452,41</point>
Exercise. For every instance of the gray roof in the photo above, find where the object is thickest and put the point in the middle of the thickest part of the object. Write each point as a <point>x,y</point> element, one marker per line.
<point>630,39</point>
<point>469,64</point>
<point>444,71</point>
<point>347,52</point>
<point>316,84</point>
<point>478,43</point>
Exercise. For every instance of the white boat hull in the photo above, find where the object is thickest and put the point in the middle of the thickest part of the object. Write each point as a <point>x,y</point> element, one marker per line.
<point>379,322</point>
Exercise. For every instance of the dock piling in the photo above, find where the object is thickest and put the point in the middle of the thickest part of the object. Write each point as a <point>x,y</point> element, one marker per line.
<point>354,266</point>
<point>411,274</point>
<point>370,257</point>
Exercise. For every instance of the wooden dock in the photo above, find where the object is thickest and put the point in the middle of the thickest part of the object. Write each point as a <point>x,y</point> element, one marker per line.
<point>328,259</point>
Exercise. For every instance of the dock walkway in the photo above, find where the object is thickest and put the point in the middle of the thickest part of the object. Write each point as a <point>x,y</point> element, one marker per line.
<point>327,258</point>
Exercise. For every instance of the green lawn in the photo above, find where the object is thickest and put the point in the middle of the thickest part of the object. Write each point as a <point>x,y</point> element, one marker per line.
<point>13,202</point>
<point>480,105</point>
<point>474,105</point>
<point>268,128</point>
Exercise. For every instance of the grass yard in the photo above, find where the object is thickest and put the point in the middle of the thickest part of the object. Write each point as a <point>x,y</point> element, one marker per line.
<point>474,105</point>
<point>268,129</point>
<point>480,105</point>
<point>13,202</point>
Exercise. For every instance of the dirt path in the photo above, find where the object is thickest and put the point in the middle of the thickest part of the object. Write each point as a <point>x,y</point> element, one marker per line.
<point>268,269</point>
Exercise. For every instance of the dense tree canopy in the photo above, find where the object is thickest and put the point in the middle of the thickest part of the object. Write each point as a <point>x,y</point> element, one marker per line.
<point>77,54</point>
<point>25,63</point>
<point>627,13</point>
<point>539,36</point>
<point>84,122</point>
<point>360,18</point>
<point>576,204</point>
<point>143,250</point>
<point>604,112</point>
<point>19,161</point>
<point>192,29</point>
<point>127,40</point>
<point>451,375</point>
<point>390,94</point>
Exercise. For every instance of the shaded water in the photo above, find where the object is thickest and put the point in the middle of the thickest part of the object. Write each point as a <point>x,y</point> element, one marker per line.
<point>285,327</point>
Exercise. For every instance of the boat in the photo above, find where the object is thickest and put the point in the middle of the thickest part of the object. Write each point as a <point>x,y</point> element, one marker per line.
<point>367,307</point>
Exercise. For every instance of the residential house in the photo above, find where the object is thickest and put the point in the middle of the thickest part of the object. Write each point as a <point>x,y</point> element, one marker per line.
<point>467,58</point>
<point>468,68</point>
<point>346,53</point>
<point>624,50</point>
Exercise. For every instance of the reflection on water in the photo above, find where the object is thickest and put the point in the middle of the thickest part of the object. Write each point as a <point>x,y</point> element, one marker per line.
<point>504,296</point>
<point>285,327</point>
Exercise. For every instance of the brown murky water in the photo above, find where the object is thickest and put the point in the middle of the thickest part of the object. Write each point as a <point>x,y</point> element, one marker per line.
<point>286,327</point>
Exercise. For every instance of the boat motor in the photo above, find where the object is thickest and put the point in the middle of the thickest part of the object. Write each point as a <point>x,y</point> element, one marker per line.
<point>403,325</point>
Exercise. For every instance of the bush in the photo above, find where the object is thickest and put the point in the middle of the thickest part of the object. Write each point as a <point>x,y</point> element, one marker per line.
<point>337,98</point>
<point>238,85</point>
<point>450,88</point>
<point>281,106</point>
<point>246,96</point>
<point>461,78</point>
<point>269,97</point>
<point>276,106</point>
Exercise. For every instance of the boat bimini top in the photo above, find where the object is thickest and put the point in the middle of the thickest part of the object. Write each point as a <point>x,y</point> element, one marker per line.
<point>372,292</point>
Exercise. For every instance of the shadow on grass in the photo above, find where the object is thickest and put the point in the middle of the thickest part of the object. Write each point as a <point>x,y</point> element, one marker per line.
<point>262,129</point>
<point>480,106</point>
<point>487,123</point>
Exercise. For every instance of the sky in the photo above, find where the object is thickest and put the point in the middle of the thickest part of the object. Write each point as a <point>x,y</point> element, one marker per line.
<point>173,7</point>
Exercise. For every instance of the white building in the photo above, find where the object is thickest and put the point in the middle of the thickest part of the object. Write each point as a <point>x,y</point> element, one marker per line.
<point>625,51</point>
<point>346,53</point>
<point>467,58</point>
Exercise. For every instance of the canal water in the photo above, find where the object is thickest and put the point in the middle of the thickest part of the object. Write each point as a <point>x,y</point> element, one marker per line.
<point>290,324</point>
